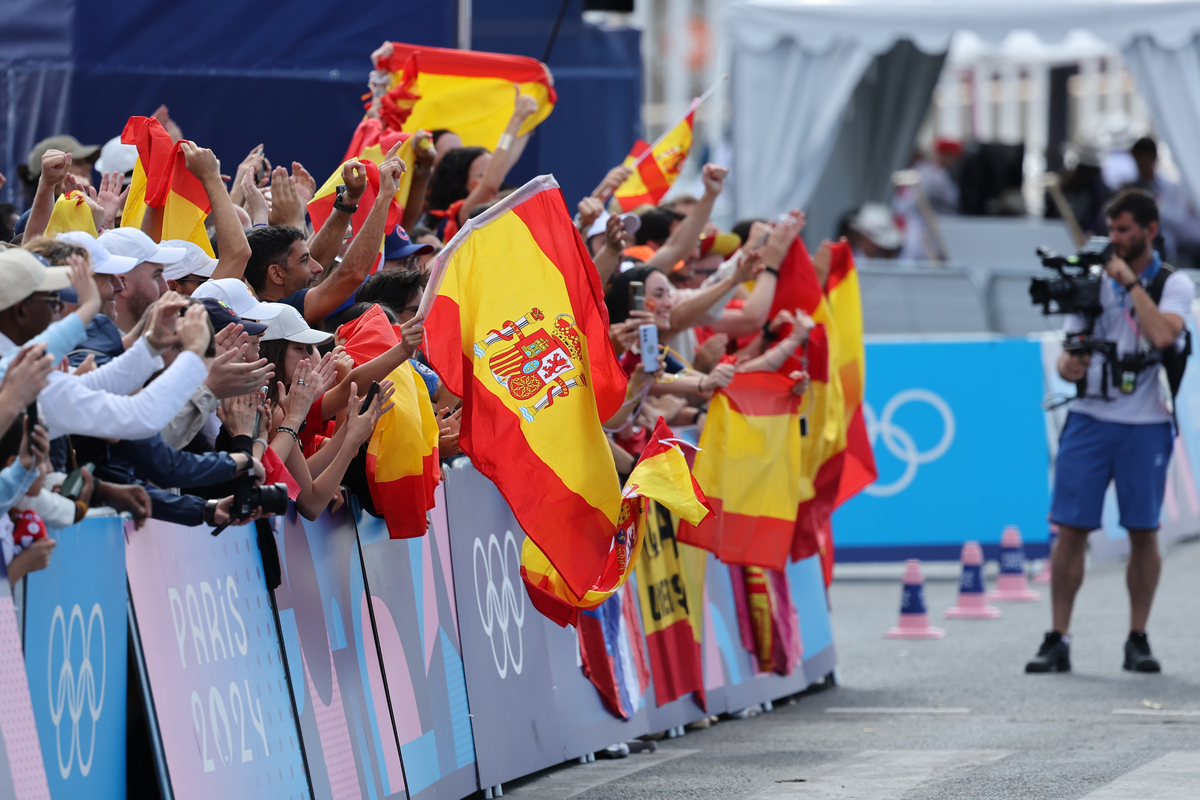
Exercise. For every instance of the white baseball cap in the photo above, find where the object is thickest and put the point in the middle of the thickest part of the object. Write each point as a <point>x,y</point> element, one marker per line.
<point>629,220</point>
<point>103,262</point>
<point>195,262</point>
<point>234,293</point>
<point>22,273</point>
<point>137,245</point>
<point>288,324</point>
<point>874,221</point>
<point>117,157</point>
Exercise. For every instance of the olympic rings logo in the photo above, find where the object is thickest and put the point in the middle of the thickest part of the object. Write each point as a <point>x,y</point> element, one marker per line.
<point>505,603</point>
<point>76,686</point>
<point>899,442</point>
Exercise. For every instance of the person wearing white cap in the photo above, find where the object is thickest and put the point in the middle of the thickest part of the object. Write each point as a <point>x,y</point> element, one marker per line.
<point>873,232</point>
<point>109,270</point>
<point>144,283</point>
<point>233,293</point>
<point>117,157</point>
<point>96,403</point>
<point>196,267</point>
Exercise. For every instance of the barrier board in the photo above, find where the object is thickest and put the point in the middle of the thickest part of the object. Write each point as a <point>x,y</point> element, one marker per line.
<point>329,643</point>
<point>960,442</point>
<point>22,772</point>
<point>411,601</point>
<point>212,655</point>
<point>75,654</point>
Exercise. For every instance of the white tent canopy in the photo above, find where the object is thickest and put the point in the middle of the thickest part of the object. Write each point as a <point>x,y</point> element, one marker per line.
<point>796,65</point>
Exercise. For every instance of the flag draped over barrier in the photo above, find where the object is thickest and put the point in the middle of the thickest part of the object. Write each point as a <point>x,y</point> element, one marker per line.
<point>858,467</point>
<point>610,647</point>
<point>71,213</point>
<point>516,326</point>
<point>467,92</point>
<point>661,474</point>
<point>657,167</point>
<point>749,468</point>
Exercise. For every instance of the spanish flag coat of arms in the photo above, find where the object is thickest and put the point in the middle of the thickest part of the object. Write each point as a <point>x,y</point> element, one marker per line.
<point>517,327</point>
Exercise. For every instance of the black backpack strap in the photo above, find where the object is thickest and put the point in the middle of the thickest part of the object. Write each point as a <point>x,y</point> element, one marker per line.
<point>1155,289</point>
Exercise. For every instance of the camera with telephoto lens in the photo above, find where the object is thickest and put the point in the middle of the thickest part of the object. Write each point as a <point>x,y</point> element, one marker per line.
<point>247,497</point>
<point>1076,287</point>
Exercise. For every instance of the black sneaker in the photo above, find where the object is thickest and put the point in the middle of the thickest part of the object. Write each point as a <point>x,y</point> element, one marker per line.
<point>1137,654</point>
<point>1053,656</point>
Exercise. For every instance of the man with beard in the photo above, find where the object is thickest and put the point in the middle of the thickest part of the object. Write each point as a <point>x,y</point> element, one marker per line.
<point>144,283</point>
<point>1120,428</point>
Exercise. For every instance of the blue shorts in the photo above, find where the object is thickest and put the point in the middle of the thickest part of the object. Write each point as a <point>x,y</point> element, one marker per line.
<point>1092,453</point>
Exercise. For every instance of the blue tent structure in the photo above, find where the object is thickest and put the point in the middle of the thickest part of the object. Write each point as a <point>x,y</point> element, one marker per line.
<point>291,76</point>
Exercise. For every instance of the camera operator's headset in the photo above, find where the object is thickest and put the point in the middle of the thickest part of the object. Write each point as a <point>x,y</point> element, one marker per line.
<point>1173,361</point>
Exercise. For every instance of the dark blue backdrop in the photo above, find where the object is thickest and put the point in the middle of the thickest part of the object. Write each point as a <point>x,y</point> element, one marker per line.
<point>291,75</point>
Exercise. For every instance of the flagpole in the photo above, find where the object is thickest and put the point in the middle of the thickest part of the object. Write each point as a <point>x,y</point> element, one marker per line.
<point>696,103</point>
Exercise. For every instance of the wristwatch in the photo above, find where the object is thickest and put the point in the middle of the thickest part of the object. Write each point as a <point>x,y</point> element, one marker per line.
<point>210,512</point>
<point>339,205</point>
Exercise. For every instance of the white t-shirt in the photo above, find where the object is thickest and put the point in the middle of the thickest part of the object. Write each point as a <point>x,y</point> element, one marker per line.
<point>1144,405</point>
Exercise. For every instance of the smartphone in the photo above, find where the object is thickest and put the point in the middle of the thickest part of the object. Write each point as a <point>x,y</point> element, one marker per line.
<point>31,419</point>
<point>648,340</point>
<point>374,390</point>
<point>637,296</point>
<point>72,487</point>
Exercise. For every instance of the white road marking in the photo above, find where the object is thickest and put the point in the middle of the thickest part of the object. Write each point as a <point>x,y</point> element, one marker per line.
<point>575,779</point>
<point>1175,776</point>
<point>1154,712</point>
<point>893,710</point>
<point>877,774</point>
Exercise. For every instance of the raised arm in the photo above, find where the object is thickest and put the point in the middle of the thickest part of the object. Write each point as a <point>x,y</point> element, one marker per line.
<point>502,159</point>
<point>687,233</point>
<point>231,239</point>
<point>324,245</point>
<point>323,299</point>
<point>54,169</point>
<point>422,171</point>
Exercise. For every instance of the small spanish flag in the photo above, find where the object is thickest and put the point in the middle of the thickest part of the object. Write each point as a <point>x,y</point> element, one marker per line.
<point>71,213</point>
<point>151,174</point>
<point>654,173</point>
<point>321,206</point>
<point>469,93</point>
<point>185,206</point>
<point>402,456</point>
<point>661,474</point>
<point>517,328</point>
<point>749,468</point>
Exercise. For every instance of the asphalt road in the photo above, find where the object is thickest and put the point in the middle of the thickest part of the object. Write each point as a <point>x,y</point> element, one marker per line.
<point>951,718</point>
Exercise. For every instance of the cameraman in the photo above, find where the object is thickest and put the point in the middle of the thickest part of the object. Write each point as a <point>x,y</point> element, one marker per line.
<point>1120,429</point>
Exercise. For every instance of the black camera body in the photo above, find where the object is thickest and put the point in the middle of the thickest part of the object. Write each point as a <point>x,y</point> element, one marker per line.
<point>247,497</point>
<point>1076,287</point>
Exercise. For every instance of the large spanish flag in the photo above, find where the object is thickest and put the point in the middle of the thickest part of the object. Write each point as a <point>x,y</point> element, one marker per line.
<point>858,467</point>
<point>654,173</point>
<point>402,456</point>
<point>661,474</point>
<point>516,326</point>
<point>749,468</point>
<point>466,92</point>
<point>71,213</point>
<point>186,205</point>
<point>151,173</point>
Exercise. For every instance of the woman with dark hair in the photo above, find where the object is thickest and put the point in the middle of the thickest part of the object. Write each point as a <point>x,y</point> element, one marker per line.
<point>470,176</point>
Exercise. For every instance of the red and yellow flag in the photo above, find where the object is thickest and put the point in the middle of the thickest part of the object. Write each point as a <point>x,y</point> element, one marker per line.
<point>151,173</point>
<point>858,466</point>
<point>71,213</point>
<point>749,468</point>
<point>402,456</point>
<point>517,328</point>
<point>321,206</point>
<point>469,93</point>
<point>654,173</point>
<point>661,474</point>
<point>186,205</point>
<point>372,142</point>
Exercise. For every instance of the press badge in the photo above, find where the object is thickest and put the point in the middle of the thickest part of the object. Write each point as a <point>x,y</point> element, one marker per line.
<point>1128,381</point>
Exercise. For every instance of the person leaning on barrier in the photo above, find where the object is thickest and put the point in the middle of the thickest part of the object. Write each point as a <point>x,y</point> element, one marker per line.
<point>1120,430</point>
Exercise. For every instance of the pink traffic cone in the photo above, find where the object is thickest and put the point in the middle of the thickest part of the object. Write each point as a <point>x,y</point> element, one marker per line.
<point>971,601</point>
<point>1043,577</point>
<point>1011,584</point>
<point>914,621</point>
